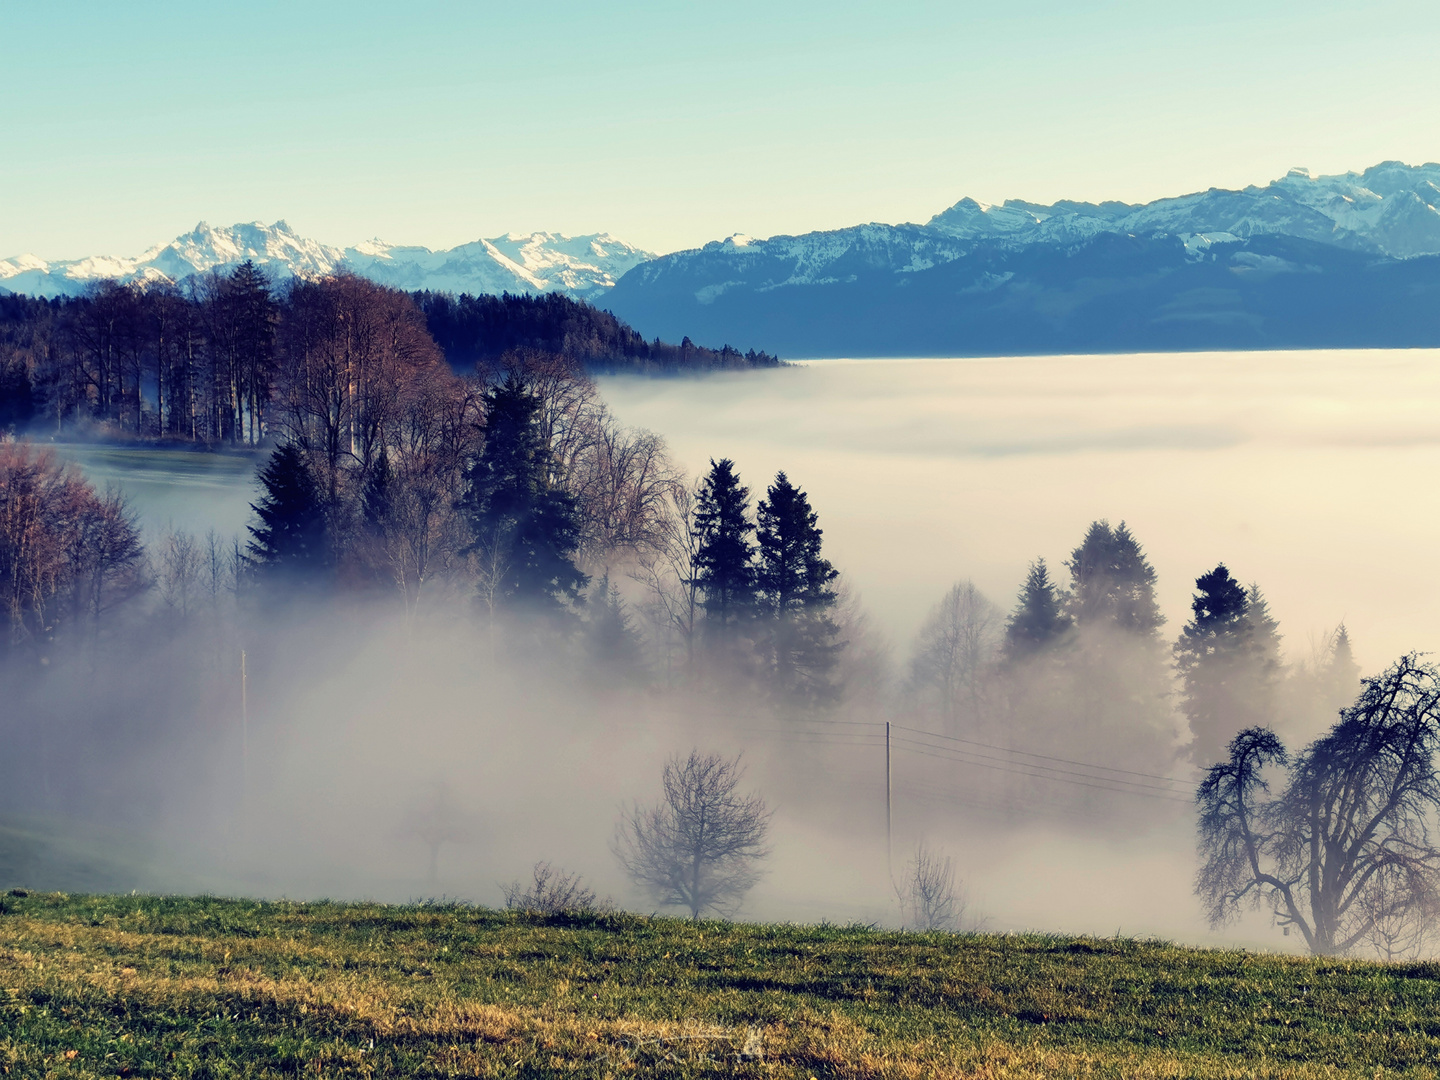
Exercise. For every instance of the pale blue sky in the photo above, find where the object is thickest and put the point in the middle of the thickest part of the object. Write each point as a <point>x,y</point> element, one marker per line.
<point>671,124</point>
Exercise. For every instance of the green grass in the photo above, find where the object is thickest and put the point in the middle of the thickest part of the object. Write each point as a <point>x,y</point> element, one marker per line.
<point>147,986</point>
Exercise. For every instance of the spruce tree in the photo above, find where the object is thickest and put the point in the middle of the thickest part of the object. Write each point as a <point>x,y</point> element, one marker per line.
<point>291,539</point>
<point>525,531</point>
<point>1039,621</point>
<point>614,644</point>
<point>1228,658</point>
<point>724,572</point>
<point>1112,581</point>
<point>377,497</point>
<point>795,597</point>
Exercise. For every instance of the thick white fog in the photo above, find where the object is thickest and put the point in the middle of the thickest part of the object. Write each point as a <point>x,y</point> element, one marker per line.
<point>1308,473</point>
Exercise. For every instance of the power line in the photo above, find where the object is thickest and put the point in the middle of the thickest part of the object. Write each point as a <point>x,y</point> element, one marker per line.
<point>947,754</point>
<point>1047,768</point>
<point>1046,757</point>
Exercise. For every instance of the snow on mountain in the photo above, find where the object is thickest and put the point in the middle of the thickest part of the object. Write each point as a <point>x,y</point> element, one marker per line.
<point>1391,208</point>
<point>579,266</point>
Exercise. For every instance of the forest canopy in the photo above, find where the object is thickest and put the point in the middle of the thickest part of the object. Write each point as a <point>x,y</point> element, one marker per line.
<point>479,329</point>
<point>214,359</point>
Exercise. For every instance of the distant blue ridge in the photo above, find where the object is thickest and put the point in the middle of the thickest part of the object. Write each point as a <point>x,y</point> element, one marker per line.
<point>1109,293</point>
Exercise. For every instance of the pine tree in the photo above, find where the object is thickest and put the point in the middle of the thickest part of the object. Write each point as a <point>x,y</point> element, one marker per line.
<point>1039,621</point>
<point>1112,581</point>
<point>1228,658</point>
<point>291,539</point>
<point>795,595</point>
<point>723,560</point>
<point>525,531</point>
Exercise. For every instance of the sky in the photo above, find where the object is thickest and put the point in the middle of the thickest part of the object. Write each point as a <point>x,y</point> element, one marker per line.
<point>670,124</point>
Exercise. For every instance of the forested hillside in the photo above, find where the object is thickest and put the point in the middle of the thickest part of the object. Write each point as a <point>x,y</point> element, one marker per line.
<point>473,329</point>
<point>218,359</point>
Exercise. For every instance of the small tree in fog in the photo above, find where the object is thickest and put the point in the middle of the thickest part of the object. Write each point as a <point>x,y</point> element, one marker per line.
<point>958,642</point>
<point>550,892</point>
<point>1039,621</point>
<point>1344,854</point>
<point>701,846</point>
<point>435,820</point>
<point>615,646</point>
<point>930,897</point>
<point>1228,658</point>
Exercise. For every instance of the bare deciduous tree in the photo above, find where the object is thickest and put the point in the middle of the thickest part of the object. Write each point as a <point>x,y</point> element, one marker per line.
<point>701,846</point>
<point>550,892</point>
<point>666,568</point>
<point>434,820</point>
<point>1345,851</point>
<point>958,642</point>
<point>67,555</point>
<point>179,575</point>
<point>930,896</point>
<point>623,485</point>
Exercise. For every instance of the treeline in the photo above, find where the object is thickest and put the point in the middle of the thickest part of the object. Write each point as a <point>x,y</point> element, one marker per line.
<point>481,329</point>
<point>516,496</point>
<point>1082,667</point>
<point>215,359</point>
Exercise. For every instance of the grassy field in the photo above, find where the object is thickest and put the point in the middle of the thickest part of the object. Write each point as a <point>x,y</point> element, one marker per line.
<point>143,986</point>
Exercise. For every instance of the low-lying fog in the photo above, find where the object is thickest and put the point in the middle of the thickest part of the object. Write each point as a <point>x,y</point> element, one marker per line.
<point>1309,473</point>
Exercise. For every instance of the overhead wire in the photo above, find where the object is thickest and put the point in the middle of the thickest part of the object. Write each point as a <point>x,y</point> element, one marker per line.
<point>946,754</point>
<point>1044,768</point>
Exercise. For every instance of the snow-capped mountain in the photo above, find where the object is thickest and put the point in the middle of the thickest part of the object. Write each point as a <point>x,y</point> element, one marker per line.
<point>1031,268</point>
<point>579,266</point>
<point>1391,208</point>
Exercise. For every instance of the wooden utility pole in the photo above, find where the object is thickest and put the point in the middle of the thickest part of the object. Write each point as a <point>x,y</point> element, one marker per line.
<point>244,729</point>
<point>889,830</point>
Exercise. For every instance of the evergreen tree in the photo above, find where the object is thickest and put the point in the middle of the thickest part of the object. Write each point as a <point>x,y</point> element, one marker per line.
<point>1228,658</point>
<point>1112,581</point>
<point>525,531</point>
<point>18,402</point>
<point>291,539</point>
<point>1039,621</point>
<point>795,597</point>
<point>1265,634</point>
<point>612,640</point>
<point>1343,674</point>
<point>723,560</point>
<point>376,500</point>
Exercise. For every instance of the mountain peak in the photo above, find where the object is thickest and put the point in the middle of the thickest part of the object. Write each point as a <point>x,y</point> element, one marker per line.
<point>578,266</point>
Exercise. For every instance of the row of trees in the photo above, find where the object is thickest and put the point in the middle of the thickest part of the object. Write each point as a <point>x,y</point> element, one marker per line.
<point>227,358</point>
<point>1088,660</point>
<point>199,362</point>
<point>481,329</point>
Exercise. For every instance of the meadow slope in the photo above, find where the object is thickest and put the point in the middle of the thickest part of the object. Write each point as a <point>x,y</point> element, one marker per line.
<point>143,986</point>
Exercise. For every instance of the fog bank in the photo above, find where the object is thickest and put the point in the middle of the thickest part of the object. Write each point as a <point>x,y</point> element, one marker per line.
<point>1306,472</point>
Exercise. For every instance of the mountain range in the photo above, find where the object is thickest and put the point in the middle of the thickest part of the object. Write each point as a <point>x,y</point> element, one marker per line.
<point>583,267</point>
<point>1305,261</point>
